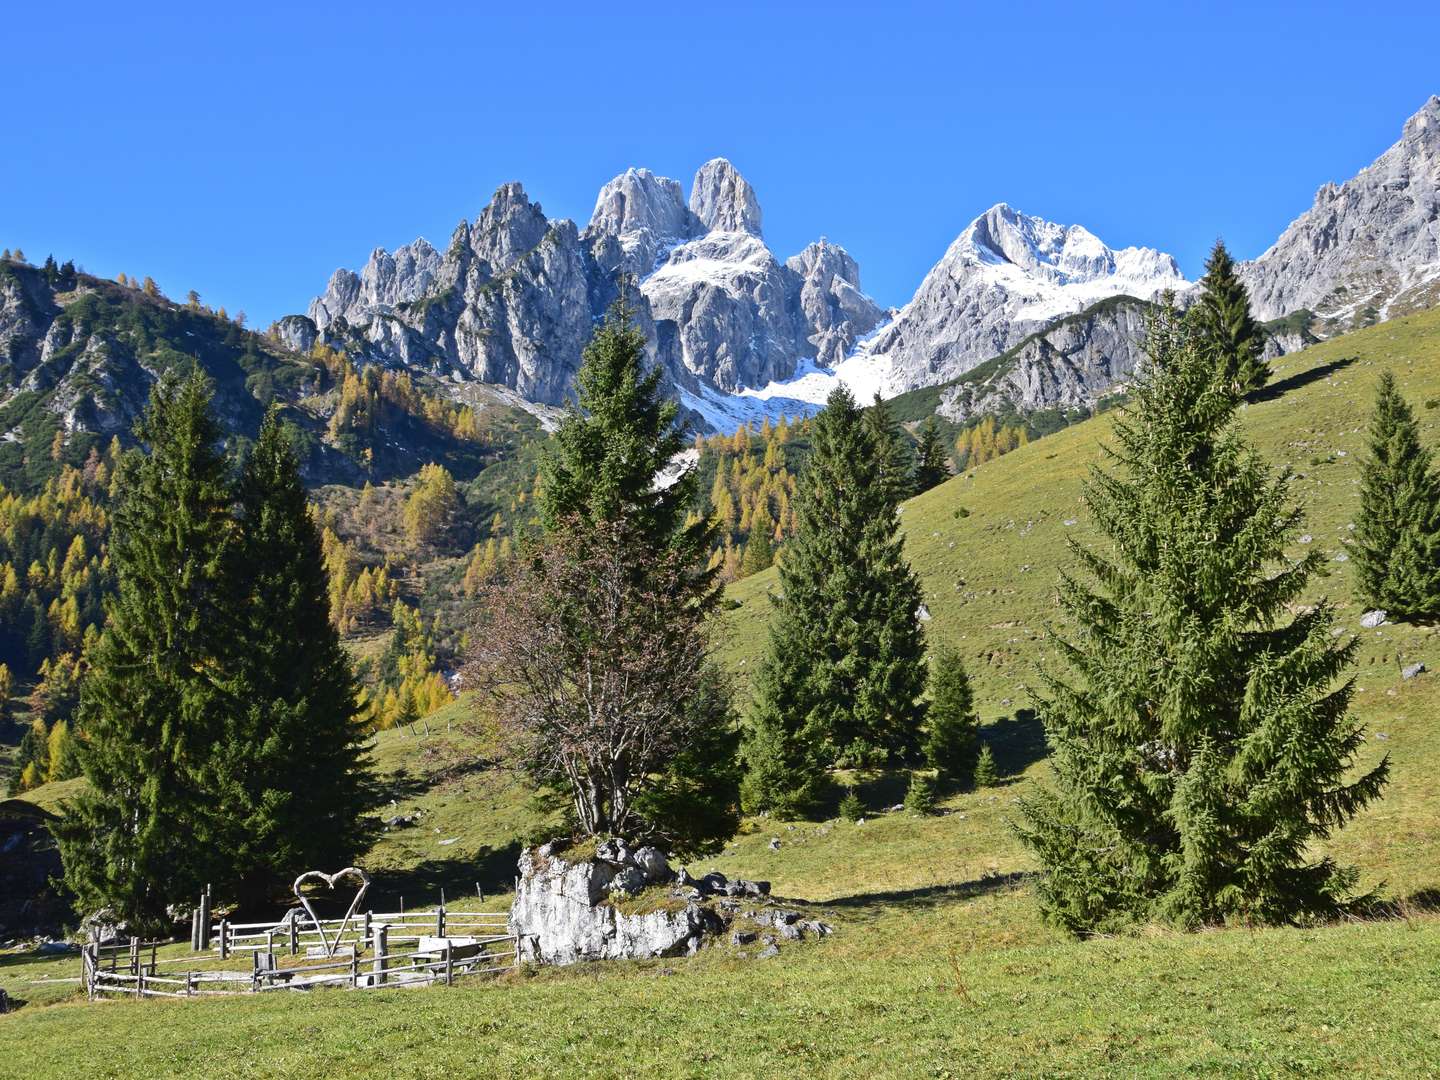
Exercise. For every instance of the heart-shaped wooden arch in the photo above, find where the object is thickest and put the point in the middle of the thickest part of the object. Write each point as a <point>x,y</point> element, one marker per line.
<point>330,880</point>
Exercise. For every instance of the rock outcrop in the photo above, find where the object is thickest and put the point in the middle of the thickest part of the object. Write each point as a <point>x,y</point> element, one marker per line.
<point>1005,277</point>
<point>570,909</point>
<point>1368,248</point>
<point>515,297</point>
<point>1069,364</point>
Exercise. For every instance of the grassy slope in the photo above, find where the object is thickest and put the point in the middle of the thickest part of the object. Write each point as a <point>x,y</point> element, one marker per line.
<point>940,966</point>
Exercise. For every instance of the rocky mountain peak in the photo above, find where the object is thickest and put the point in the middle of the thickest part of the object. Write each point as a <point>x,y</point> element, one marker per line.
<point>1366,249</point>
<point>508,228</point>
<point>824,260</point>
<point>1425,124</point>
<point>723,200</point>
<point>647,214</point>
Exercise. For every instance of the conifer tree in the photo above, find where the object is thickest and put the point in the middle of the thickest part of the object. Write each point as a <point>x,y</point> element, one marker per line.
<point>609,449</point>
<point>986,774</point>
<point>931,464</point>
<point>139,837</point>
<point>1398,529</point>
<point>844,672</point>
<point>759,552</point>
<point>1236,341</point>
<point>617,589</point>
<point>892,452</point>
<point>951,722</point>
<point>1200,730</point>
<point>289,767</point>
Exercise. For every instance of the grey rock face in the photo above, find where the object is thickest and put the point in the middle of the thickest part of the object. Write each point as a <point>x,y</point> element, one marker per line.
<point>647,214</point>
<point>559,916</point>
<point>730,309</point>
<point>836,313</point>
<point>1067,365</point>
<point>723,200</point>
<point>389,278</point>
<point>515,297</point>
<point>512,301</point>
<point>1367,249</point>
<point>1005,277</point>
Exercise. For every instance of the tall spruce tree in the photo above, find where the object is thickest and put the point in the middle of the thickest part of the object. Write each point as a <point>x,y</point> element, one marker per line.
<point>289,767</point>
<point>608,450</point>
<point>845,670</point>
<point>140,836</point>
<point>1200,732</point>
<point>1398,528</point>
<point>892,452</point>
<point>932,465</point>
<point>1235,340</point>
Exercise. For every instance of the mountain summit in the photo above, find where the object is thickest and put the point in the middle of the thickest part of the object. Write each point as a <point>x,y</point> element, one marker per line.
<point>1003,278</point>
<point>1368,248</point>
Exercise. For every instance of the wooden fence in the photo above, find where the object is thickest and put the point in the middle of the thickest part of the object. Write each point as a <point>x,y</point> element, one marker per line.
<point>367,950</point>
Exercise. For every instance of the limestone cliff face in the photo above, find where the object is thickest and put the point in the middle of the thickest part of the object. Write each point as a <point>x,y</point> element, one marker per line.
<point>516,296</point>
<point>1368,248</point>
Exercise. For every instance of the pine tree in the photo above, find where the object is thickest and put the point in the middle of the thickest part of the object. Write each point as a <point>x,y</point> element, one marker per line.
<point>759,553</point>
<point>892,452</point>
<point>1397,555</point>
<point>920,795</point>
<point>140,836</point>
<point>289,768</point>
<point>932,464</point>
<point>986,775</point>
<point>951,722</point>
<point>1236,341</point>
<point>608,451</point>
<point>1200,732</point>
<point>844,672</point>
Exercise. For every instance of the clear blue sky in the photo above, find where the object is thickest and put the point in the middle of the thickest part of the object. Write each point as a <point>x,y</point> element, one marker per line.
<point>248,153</point>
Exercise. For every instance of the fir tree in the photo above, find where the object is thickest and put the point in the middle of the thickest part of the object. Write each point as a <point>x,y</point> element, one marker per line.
<point>844,672</point>
<point>289,769</point>
<point>932,465</point>
<point>759,553</point>
<point>1236,341</point>
<point>140,836</point>
<point>920,795</point>
<point>986,775</point>
<point>607,452</point>
<point>951,722</point>
<point>1200,732</point>
<point>1398,530</point>
<point>892,452</point>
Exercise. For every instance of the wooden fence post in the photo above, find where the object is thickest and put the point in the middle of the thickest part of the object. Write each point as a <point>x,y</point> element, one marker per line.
<point>382,954</point>
<point>294,935</point>
<point>368,939</point>
<point>354,964</point>
<point>134,956</point>
<point>449,966</point>
<point>189,984</point>
<point>224,939</point>
<point>440,920</point>
<point>205,919</point>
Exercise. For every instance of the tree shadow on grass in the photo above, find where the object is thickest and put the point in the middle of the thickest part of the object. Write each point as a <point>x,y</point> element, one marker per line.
<point>1300,378</point>
<point>1016,741</point>
<point>420,886</point>
<point>932,896</point>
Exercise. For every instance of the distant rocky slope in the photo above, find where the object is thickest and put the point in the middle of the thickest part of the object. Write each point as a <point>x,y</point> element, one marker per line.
<point>1017,299</point>
<point>515,296</point>
<point>1005,277</point>
<point>78,355</point>
<point>1368,248</point>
